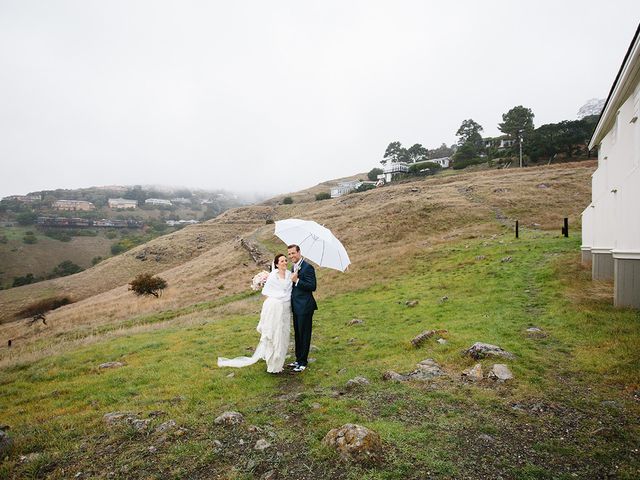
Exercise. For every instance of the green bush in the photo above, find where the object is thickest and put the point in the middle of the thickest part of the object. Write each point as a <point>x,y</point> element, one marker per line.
<point>3,239</point>
<point>26,218</point>
<point>323,196</point>
<point>60,235</point>
<point>460,164</point>
<point>373,174</point>
<point>96,260</point>
<point>111,234</point>
<point>26,280</point>
<point>146,284</point>
<point>29,238</point>
<point>287,200</point>
<point>364,187</point>
<point>64,269</point>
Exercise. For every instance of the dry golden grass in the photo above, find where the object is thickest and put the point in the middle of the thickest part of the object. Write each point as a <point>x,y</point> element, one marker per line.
<point>383,231</point>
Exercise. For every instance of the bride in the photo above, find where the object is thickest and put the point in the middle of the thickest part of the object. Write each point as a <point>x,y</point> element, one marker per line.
<point>275,319</point>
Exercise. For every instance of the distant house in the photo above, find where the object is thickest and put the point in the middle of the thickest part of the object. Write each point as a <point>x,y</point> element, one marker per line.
<point>443,162</point>
<point>181,200</point>
<point>32,198</point>
<point>173,223</point>
<point>611,222</point>
<point>500,143</point>
<point>122,203</point>
<point>73,205</point>
<point>391,170</point>
<point>158,201</point>
<point>344,187</point>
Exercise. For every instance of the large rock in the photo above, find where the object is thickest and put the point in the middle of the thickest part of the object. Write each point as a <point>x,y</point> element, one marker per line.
<point>482,350</point>
<point>391,376</point>
<point>500,372</point>
<point>357,382</point>
<point>473,374</point>
<point>355,442</point>
<point>427,369</point>
<point>229,418</point>
<point>420,339</point>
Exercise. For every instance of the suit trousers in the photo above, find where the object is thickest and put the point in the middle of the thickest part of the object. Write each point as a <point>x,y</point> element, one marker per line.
<point>302,324</point>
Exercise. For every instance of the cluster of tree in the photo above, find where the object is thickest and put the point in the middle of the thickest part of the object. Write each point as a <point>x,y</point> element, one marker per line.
<point>63,269</point>
<point>395,152</point>
<point>569,138</point>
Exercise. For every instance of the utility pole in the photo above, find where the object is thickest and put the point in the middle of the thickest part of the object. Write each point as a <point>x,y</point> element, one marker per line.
<point>520,137</point>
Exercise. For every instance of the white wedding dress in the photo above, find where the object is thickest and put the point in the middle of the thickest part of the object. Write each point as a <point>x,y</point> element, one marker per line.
<point>274,326</point>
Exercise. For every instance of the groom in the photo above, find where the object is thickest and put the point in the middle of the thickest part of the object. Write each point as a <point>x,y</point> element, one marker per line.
<point>303,305</point>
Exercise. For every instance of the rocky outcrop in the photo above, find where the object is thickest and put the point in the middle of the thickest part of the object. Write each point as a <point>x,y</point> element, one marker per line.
<point>229,419</point>
<point>355,443</point>
<point>483,350</point>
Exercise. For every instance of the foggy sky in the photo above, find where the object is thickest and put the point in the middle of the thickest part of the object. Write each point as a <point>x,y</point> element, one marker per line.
<point>273,97</point>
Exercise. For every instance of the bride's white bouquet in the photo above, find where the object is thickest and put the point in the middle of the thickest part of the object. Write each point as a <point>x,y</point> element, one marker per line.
<point>259,280</point>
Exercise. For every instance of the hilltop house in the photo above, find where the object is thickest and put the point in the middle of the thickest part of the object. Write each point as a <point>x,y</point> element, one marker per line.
<point>499,143</point>
<point>73,205</point>
<point>393,169</point>
<point>443,162</point>
<point>611,222</point>
<point>344,187</point>
<point>122,203</point>
<point>157,201</point>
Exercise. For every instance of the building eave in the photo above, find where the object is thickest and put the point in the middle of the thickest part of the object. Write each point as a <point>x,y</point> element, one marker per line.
<point>620,90</point>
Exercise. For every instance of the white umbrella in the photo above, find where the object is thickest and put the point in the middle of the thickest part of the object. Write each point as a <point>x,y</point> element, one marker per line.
<point>316,242</point>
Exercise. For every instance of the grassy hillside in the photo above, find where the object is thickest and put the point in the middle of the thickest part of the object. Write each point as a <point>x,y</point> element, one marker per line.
<point>571,410</point>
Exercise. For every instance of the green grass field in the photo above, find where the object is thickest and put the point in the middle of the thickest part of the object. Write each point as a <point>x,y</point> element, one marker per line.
<point>571,412</point>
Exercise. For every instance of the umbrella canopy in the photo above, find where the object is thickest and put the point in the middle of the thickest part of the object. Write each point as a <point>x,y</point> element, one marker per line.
<point>316,242</point>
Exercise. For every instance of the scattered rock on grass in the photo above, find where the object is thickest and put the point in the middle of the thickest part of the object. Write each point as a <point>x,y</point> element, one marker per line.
<point>391,376</point>
<point>481,350</point>
<point>115,418</point>
<point>261,445</point>
<point>270,475</point>
<point>356,443</point>
<point>163,427</point>
<point>501,373</point>
<point>506,259</point>
<point>428,368</point>
<point>229,418</point>
<point>441,341</point>
<point>420,339</point>
<point>357,382</point>
<point>355,321</point>
<point>411,303</point>
<point>111,365</point>
<point>473,374</point>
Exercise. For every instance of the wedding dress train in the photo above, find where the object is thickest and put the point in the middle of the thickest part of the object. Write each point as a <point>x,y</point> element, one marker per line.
<point>274,327</point>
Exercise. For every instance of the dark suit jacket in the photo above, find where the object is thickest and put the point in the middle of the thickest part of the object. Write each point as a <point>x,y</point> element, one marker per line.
<point>302,300</point>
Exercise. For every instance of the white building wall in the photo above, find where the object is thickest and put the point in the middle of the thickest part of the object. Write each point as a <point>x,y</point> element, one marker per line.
<point>616,183</point>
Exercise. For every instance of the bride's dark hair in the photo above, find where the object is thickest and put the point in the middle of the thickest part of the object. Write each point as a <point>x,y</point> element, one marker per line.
<point>276,260</point>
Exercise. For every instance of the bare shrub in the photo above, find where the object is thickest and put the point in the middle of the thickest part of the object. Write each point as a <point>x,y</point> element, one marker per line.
<point>38,310</point>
